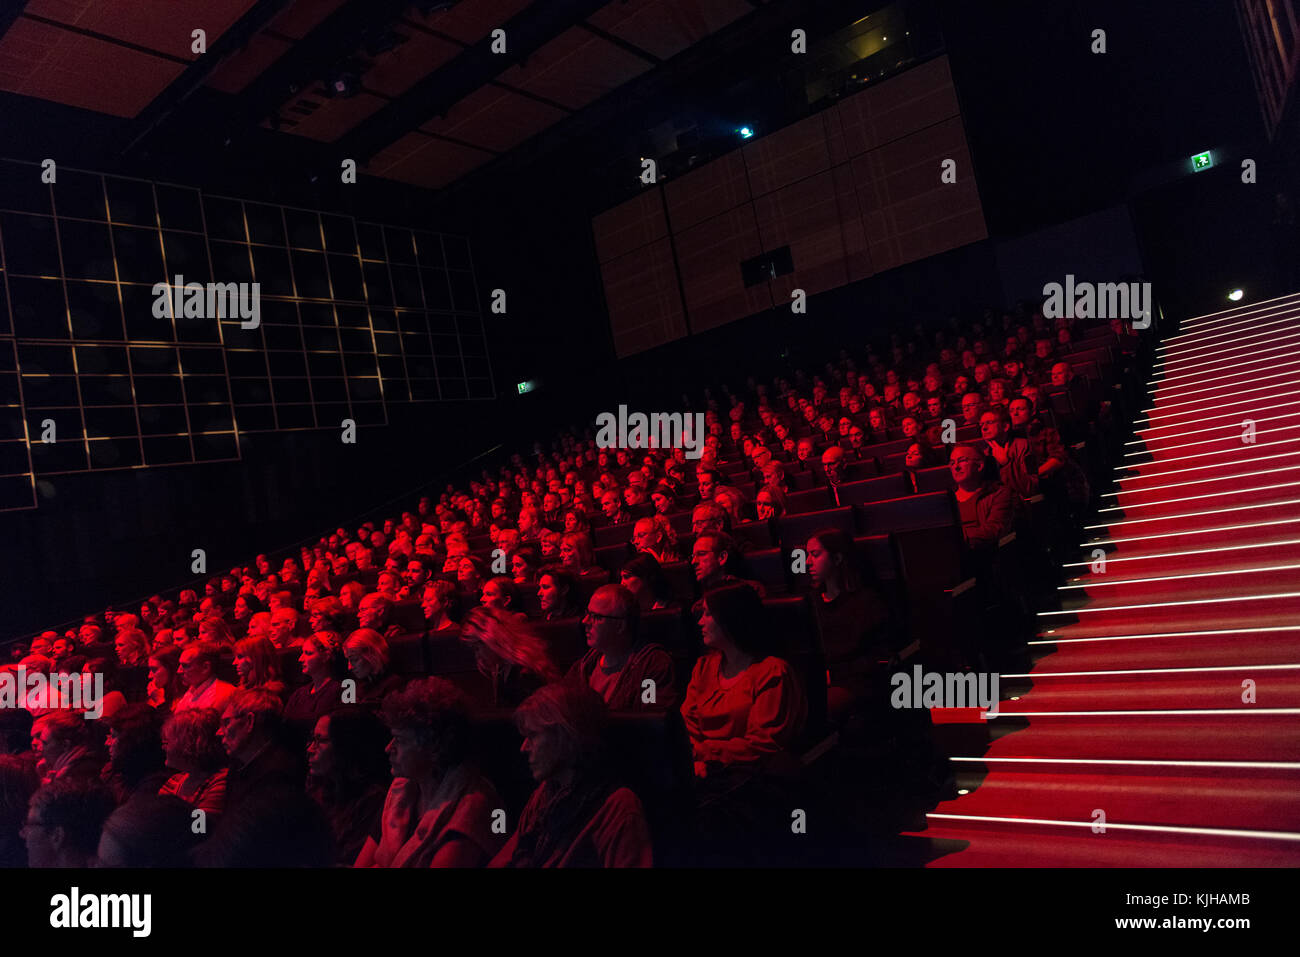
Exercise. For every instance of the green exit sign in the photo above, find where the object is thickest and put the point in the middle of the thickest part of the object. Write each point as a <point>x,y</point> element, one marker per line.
<point>528,386</point>
<point>1201,161</point>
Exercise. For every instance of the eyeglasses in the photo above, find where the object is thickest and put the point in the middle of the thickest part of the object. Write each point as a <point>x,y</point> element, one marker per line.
<point>596,614</point>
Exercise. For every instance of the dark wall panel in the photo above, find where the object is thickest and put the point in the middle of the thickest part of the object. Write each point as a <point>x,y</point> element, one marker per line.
<point>645,307</point>
<point>710,255</point>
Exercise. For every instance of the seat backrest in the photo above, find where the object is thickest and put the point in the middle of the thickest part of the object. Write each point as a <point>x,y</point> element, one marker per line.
<point>680,521</point>
<point>877,553</point>
<point>651,754</point>
<point>793,530</point>
<point>408,615</point>
<point>681,579</point>
<point>872,490</point>
<point>930,510</point>
<point>612,557</point>
<point>866,468</point>
<point>936,479</point>
<point>770,567</point>
<point>565,638</point>
<point>612,534</point>
<point>667,627</point>
<point>406,654</point>
<point>757,534</point>
<point>812,500</point>
<point>800,480</point>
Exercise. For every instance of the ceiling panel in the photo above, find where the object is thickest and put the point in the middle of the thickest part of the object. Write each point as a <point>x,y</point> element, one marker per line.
<point>53,64</point>
<point>163,26</point>
<point>470,22</point>
<point>575,68</point>
<point>297,20</point>
<point>329,118</point>
<point>246,65</point>
<point>495,118</point>
<point>666,27</point>
<point>398,70</point>
<point>421,160</point>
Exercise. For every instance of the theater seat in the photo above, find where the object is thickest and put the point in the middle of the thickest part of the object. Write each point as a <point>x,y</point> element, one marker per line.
<point>612,534</point>
<point>872,490</point>
<point>790,621</point>
<point>795,529</point>
<point>936,479</point>
<point>930,510</point>
<point>408,615</point>
<point>447,654</point>
<point>681,579</point>
<point>406,654</point>
<point>652,755</point>
<point>800,480</point>
<point>810,501</point>
<point>612,557</point>
<point>680,522</point>
<point>757,534</point>
<point>866,468</point>
<point>770,566</point>
<point>665,626</point>
<point>291,667</point>
<point>565,638</point>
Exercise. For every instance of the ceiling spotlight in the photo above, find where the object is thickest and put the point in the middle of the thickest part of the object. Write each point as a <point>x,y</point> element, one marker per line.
<point>343,80</point>
<point>1236,295</point>
<point>745,132</point>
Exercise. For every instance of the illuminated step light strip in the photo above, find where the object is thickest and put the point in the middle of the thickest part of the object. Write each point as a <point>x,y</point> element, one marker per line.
<point>1232,428</point>
<point>1162,634</point>
<point>1130,762</point>
<point>1184,458</point>
<point>1110,560</point>
<point>1154,671</point>
<point>1206,481</point>
<point>1217,573</point>
<point>1153,828</point>
<point>1167,383</point>
<point>1219,439</point>
<point>1260,329</point>
<point>1218,511</point>
<point>1239,348</point>
<point>1141,429</point>
<point>1253,363</point>
<point>1196,531</point>
<point>1164,406</point>
<point>1238,311</point>
<point>1227,463</point>
<point>1171,604</point>
<point>1193,498</point>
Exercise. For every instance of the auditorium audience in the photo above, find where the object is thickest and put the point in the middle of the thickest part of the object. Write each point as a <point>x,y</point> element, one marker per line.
<point>258,665</point>
<point>250,731</point>
<point>366,653</point>
<point>348,775</point>
<point>198,671</point>
<point>189,739</point>
<point>18,781</point>
<point>627,671</point>
<point>63,822</point>
<point>578,816</point>
<point>509,653</point>
<point>986,508</point>
<point>440,809</point>
<point>135,753</point>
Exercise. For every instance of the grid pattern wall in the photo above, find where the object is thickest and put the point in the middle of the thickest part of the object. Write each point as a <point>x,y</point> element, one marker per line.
<point>353,315</point>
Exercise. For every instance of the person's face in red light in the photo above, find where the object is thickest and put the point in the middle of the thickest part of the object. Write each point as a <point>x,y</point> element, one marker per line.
<point>609,504</point>
<point>193,670</point>
<point>466,572</point>
<point>1020,411</point>
<point>911,428</point>
<point>370,614</point>
<point>632,583</point>
<point>389,583</point>
<point>243,666</point>
<point>965,467</point>
<point>320,750</point>
<point>821,564</point>
<point>645,536</point>
<point>805,449</point>
<point>494,595</point>
<point>705,560</point>
<point>549,596</point>
<point>1042,348</point>
<point>877,420</point>
<point>1060,374</point>
<point>544,748</point>
<point>970,407</point>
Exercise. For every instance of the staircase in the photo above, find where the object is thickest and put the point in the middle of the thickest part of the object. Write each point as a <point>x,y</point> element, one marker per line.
<point>1165,694</point>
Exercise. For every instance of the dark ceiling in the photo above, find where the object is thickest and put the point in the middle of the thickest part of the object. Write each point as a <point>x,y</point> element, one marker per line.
<point>424,98</point>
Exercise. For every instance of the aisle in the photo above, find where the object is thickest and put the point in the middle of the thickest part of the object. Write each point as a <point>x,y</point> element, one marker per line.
<point>1141,700</point>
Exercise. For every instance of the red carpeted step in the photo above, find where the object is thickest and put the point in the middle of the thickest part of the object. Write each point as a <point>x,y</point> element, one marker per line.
<point>1245,530</point>
<point>1174,651</point>
<point>1189,614</point>
<point>1175,582</point>
<point>979,844</point>
<point>1131,560</point>
<point>1159,795</point>
<point>1227,735</point>
<point>1228,468</point>
<point>1155,691</point>
<point>1195,488</point>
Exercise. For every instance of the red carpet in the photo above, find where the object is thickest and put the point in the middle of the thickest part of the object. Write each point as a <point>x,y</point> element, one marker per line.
<point>1138,705</point>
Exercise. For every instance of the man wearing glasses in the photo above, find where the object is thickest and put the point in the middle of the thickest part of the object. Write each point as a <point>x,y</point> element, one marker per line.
<point>63,823</point>
<point>199,675</point>
<point>631,674</point>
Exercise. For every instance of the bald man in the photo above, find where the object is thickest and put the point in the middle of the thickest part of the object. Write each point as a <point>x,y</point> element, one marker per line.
<point>631,674</point>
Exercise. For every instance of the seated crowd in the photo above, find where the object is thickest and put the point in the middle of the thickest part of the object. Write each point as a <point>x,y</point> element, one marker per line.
<point>331,711</point>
